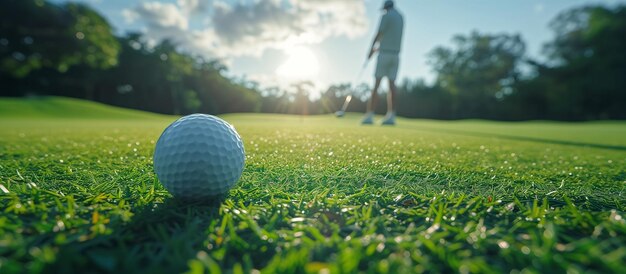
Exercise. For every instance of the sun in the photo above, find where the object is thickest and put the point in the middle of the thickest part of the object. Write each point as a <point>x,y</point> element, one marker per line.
<point>301,64</point>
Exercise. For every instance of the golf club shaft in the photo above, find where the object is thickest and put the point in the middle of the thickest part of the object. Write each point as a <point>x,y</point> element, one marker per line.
<point>358,78</point>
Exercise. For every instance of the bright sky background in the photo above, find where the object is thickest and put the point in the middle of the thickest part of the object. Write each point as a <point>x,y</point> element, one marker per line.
<point>277,42</point>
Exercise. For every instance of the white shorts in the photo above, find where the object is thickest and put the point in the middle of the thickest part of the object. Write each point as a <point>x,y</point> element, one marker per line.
<point>387,65</point>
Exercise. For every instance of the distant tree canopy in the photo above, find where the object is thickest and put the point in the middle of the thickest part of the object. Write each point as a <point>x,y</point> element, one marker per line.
<point>70,50</point>
<point>586,75</point>
<point>478,71</point>
<point>490,76</point>
<point>37,34</point>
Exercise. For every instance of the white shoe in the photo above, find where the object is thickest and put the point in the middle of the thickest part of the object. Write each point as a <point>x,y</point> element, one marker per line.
<point>390,119</point>
<point>368,119</point>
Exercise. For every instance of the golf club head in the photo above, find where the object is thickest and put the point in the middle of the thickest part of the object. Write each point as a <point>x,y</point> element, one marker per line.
<point>340,113</point>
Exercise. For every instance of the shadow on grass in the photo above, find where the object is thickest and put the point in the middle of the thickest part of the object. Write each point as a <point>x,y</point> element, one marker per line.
<point>520,138</point>
<point>160,239</point>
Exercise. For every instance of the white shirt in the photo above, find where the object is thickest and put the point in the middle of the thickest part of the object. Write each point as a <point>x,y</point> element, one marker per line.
<point>391,28</point>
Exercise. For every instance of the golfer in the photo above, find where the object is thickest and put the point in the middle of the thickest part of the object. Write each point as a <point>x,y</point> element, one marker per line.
<point>387,42</point>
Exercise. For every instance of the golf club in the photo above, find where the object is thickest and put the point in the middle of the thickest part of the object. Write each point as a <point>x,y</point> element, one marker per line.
<point>342,112</point>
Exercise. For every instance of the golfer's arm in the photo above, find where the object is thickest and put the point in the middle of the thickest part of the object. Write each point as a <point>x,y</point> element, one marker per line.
<point>382,26</point>
<point>376,39</point>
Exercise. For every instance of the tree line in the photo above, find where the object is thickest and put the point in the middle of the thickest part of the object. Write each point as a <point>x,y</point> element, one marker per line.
<point>70,50</point>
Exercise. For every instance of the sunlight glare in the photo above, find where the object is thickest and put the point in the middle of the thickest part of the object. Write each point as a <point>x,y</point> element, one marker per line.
<point>301,64</point>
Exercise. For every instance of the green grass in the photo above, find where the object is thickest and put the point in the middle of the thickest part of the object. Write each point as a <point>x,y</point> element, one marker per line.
<point>67,108</point>
<point>317,194</point>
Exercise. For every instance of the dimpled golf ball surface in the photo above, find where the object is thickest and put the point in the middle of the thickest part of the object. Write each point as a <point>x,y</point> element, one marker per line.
<point>199,157</point>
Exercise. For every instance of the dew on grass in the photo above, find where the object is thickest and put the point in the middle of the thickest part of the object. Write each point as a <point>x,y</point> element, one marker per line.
<point>297,220</point>
<point>615,216</point>
<point>503,244</point>
<point>59,226</point>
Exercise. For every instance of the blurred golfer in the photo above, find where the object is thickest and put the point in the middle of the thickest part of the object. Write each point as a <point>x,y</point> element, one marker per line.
<point>388,39</point>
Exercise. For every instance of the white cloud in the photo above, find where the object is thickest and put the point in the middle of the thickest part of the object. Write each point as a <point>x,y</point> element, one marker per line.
<point>336,17</point>
<point>193,6</point>
<point>130,16</point>
<point>249,28</point>
<point>159,15</point>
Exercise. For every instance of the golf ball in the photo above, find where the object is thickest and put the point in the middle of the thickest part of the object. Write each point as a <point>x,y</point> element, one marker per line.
<point>199,157</point>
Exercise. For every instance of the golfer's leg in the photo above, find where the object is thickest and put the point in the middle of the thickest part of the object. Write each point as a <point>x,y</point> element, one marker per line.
<point>391,97</point>
<point>371,106</point>
<point>394,63</point>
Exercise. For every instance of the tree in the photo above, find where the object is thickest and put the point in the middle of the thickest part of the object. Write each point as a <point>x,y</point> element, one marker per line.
<point>416,99</point>
<point>166,80</point>
<point>36,34</point>
<point>586,75</point>
<point>175,67</point>
<point>478,72</point>
<point>301,91</point>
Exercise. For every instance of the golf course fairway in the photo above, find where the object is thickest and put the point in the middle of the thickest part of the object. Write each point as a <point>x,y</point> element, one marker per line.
<point>318,195</point>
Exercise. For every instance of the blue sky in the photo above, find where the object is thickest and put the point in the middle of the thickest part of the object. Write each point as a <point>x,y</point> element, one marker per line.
<point>326,40</point>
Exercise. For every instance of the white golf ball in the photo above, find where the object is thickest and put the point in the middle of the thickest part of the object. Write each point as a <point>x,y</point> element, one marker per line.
<point>199,157</point>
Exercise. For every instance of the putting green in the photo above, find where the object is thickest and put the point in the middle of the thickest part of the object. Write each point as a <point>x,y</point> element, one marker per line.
<point>78,193</point>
